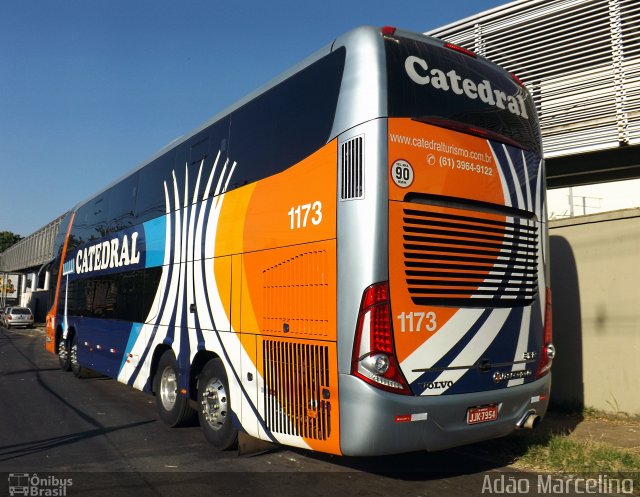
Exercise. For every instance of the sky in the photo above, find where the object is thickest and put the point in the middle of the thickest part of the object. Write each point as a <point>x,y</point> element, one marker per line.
<point>89,89</point>
<point>591,199</point>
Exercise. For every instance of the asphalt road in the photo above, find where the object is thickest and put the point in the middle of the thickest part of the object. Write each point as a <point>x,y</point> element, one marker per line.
<point>94,436</point>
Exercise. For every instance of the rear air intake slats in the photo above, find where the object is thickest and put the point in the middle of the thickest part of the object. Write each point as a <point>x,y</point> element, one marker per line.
<point>296,376</point>
<point>469,260</point>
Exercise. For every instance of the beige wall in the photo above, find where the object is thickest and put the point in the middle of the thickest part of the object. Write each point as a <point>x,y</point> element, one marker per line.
<point>595,279</point>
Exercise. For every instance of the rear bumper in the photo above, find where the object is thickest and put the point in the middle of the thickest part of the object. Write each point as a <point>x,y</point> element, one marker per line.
<point>368,423</point>
<point>16,322</point>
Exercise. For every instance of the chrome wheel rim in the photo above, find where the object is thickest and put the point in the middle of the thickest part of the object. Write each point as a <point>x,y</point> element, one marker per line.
<point>214,404</point>
<point>168,388</point>
<point>73,356</point>
<point>63,354</point>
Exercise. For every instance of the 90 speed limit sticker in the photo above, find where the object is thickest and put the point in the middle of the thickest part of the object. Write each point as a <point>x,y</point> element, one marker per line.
<point>402,173</point>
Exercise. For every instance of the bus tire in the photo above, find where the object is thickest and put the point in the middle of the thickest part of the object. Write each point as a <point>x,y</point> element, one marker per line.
<point>173,408</point>
<point>63,355</point>
<point>214,406</point>
<point>78,370</point>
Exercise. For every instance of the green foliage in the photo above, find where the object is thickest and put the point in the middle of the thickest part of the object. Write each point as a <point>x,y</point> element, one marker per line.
<point>553,448</point>
<point>7,239</point>
<point>581,456</point>
<point>561,454</point>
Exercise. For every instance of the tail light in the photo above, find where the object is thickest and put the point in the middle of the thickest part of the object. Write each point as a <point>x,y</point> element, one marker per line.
<point>374,358</point>
<point>461,50</point>
<point>517,79</point>
<point>388,30</point>
<point>548,350</point>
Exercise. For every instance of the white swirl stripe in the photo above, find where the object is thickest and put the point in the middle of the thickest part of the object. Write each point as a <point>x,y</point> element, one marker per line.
<point>187,274</point>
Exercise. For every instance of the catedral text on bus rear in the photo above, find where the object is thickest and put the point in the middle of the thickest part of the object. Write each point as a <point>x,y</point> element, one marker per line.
<point>452,81</point>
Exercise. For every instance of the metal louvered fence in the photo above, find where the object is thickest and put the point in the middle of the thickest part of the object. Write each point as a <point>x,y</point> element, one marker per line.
<point>579,58</point>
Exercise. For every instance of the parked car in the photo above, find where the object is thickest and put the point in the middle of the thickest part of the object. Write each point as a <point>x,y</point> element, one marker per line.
<point>17,316</point>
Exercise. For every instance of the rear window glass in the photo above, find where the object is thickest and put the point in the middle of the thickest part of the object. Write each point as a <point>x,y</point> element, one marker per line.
<point>430,81</point>
<point>21,312</point>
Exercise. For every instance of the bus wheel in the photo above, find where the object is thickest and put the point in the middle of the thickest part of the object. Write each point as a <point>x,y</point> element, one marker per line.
<point>214,406</point>
<point>63,355</point>
<point>76,368</point>
<point>174,408</point>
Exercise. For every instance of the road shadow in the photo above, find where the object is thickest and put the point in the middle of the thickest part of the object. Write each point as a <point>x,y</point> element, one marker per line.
<point>478,458</point>
<point>16,451</point>
<point>18,372</point>
<point>415,466</point>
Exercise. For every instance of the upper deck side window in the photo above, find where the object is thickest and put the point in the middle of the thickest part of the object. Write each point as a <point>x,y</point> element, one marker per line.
<point>288,122</point>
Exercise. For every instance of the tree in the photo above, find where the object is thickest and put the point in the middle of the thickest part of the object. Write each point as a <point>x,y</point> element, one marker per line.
<point>7,239</point>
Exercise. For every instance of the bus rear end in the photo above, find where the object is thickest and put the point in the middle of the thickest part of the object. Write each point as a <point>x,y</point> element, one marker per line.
<point>455,345</point>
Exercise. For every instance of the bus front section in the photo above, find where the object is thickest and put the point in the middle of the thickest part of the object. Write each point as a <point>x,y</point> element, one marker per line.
<point>454,347</point>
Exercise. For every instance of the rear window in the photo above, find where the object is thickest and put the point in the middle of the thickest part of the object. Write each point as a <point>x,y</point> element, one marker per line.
<point>428,81</point>
<point>20,312</point>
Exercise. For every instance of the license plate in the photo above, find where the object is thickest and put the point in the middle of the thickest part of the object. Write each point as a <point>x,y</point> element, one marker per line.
<point>482,414</point>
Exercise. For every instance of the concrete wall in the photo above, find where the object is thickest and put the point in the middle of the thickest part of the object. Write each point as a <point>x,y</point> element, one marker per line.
<point>595,279</point>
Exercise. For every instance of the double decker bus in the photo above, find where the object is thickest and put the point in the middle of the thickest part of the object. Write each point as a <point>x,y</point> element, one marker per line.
<point>352,259</point>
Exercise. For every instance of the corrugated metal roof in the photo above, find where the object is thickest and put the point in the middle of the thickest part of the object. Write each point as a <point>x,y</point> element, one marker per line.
<point>34,250</point>
<point>579,58</point>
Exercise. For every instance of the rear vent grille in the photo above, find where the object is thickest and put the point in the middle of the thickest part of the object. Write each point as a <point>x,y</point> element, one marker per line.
<point>296,395</point>
<point>468,260</point>
<point>352,180</point>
